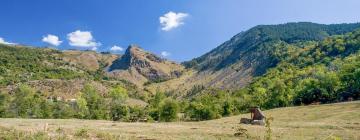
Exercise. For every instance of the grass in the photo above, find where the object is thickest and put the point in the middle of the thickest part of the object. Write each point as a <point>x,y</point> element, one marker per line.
<point>327,122</point>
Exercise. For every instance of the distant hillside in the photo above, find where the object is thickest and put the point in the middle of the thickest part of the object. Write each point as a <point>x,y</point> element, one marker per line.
<point>53,72</point>
<point>251,53</point>
<point>239,47</point>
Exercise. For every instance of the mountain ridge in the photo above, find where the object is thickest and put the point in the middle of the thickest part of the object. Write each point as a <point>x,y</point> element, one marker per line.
<point>232,65</point>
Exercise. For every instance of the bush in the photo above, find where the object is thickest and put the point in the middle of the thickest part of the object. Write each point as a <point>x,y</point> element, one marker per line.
<point>168,110</point>
<point>119,112</point>
<point>199,112</point>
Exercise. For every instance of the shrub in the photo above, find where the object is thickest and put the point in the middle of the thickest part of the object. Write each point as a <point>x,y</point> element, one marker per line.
<point>119,112</point>
<point>168,110</point>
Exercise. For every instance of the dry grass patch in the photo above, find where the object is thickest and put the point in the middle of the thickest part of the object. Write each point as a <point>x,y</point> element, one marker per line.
<point>333,121</point>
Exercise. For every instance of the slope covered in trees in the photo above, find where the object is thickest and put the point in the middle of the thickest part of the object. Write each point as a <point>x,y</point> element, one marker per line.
<point>325,71</point>
<point>234,63</point>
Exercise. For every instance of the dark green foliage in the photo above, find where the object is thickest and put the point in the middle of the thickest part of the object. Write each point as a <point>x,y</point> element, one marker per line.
<point>62,110</point>
<point>26,103</point>
<point>119,111</point>
<point>155,105</point>
<point>199,111</point>
<point>322,72</point>
<point>212,105</point>
<point>21,64</point>
<point>138,114</point>
<point>168,110</point>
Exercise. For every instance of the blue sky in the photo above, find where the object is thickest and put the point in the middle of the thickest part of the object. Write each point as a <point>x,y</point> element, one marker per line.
<point>192,29</point>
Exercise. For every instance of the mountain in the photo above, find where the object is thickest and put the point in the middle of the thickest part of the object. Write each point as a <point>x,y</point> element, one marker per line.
<point>248,54</point>
<point>141,67</point>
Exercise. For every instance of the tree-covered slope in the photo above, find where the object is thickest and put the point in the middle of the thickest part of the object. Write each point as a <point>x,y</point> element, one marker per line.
<point>313,72</point>
<point>53,72</point>
<point>241,44</point>
<point>21,64</point>
<point>251,53</point>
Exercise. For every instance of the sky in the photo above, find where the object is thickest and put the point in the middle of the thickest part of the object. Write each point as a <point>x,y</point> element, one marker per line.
<point>178,29</point>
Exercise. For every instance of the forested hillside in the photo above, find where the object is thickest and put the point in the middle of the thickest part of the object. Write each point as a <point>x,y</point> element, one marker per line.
<point>20,64</point>
<point>325,71</point>
<point>248,54</point>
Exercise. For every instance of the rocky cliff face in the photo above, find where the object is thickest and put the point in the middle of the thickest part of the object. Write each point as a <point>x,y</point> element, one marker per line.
<point>139,66</point>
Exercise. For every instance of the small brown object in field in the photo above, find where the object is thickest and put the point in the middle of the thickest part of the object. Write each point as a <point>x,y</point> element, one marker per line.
<point>257,117</point>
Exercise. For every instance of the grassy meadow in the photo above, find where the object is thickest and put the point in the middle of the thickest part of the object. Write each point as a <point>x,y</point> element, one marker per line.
<point>324,122</point>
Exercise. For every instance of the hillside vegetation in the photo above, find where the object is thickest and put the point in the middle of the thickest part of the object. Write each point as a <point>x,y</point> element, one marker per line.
<point>236,62</point>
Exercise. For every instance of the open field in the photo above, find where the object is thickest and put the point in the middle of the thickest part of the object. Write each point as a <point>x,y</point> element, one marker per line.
<point>332,121</point>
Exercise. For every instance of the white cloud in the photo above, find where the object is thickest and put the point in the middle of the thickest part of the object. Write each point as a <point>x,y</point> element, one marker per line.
<point>2,41</point>
<point>94,48</point>
<point>165,53</point>
<point>82,39</point>
<point>172,20</point>
<point>52,40</point>
<point>116,48</point>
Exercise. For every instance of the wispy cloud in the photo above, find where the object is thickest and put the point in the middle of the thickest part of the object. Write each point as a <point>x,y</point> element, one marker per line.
<point>116,48</point>
<point>82,39</point>
<point>2,41</point>
<point>52,40</point>
<point>165,53</point>
<point>172,20</point>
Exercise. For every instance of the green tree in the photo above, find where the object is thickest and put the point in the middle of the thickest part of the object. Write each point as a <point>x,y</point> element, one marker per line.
<point>227,108</point>
<point>118,108</point>
<point>119,111</point>
<point>168,110</point>
<point>95,103</point>
<point>81,107</point>
<point>23,101</point>
<point>47,109</point>
<point>63,110</point>
<point>119,93</point>
<point>158,98</point>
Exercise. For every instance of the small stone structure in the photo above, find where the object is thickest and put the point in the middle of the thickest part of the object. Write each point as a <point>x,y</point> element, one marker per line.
<point>257,117</point>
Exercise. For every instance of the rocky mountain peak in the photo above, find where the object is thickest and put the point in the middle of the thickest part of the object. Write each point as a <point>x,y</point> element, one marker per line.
<point>135,56</point>
<point>152,67</point>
